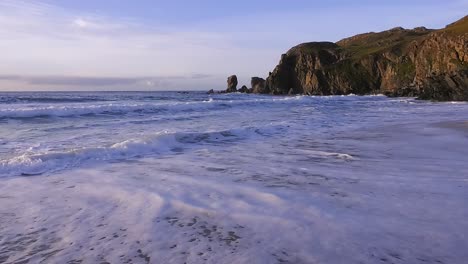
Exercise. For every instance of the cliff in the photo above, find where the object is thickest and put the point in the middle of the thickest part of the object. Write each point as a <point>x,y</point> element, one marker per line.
<point>430,64</point>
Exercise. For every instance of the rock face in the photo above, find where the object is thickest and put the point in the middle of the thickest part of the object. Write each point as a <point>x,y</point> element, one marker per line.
<point>431,64</point>
<point>258,85</point>
<point>232,84</point>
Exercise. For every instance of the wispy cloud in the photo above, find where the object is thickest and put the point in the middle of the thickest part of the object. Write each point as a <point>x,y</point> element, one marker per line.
<point>160,82</point>
<point>44,40</point>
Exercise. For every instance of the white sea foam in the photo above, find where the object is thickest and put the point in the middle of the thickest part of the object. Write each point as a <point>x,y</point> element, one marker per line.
<point>38,163</point>
<point>33,163</point>
<point>325,154</point>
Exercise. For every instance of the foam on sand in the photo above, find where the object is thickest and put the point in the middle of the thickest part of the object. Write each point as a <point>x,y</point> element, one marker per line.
<point>144,214</point>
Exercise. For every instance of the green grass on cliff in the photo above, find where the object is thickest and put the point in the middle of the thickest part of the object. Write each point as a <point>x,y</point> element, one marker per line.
<point>393,40</point>
<point>406,70</point>
<point>312,47</point>
<point>459,27</point>
<point>372,43</point>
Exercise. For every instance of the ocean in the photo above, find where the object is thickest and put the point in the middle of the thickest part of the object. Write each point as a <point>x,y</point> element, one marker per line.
<point>171,177</point>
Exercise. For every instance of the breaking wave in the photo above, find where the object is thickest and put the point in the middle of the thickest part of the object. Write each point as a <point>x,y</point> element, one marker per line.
<point>164,142</point>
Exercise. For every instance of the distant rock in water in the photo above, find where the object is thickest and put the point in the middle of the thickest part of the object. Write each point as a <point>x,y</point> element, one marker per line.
<point>232,84</point>
<point>243,89</point>
<point>211,91</point>
<point>258,85</point>
<point>430,64</point>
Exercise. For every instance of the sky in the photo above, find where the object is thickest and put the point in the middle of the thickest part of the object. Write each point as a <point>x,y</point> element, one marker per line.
<point>181,45</point>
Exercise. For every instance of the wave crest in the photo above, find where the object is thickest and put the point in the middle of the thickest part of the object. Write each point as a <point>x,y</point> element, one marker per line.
<point>163,142</point>
<point>71,110</point>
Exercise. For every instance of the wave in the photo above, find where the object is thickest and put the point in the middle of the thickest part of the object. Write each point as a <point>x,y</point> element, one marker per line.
<point>457,102</point>
<point>22,111</point>
<point>82,110</point>
<point>164,142</point>
<point>57,100</point>
<point>327,154</point>
<point>71,110</point>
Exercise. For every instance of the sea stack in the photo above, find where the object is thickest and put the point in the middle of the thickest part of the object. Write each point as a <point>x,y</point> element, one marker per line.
<point>258,85</point>
<point>232,84</point>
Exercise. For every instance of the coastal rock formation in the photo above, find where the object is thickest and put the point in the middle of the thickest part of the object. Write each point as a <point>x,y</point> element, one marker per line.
<point>243,89</point>
<point>258,85</point>
<point>431,64</point>
<point>232,84</point>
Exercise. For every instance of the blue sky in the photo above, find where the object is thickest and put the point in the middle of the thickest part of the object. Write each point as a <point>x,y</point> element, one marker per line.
<point>185,12</point>
<point>167,45</point>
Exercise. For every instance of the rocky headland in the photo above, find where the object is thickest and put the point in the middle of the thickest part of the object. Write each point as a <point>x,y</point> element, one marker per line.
<point>420,62</point>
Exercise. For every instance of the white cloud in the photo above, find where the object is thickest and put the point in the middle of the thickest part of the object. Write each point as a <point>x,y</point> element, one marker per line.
<point>81,23</point>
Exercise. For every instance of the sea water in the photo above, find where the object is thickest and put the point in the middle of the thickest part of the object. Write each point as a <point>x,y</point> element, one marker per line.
<point>168,177</point>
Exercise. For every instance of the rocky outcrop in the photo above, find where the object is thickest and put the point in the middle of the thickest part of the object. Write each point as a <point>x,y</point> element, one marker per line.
<point>243,89</point>
<point>431,64</point>
<point>258,85</point>
<point>232,84</point>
